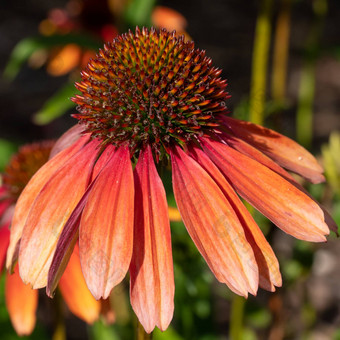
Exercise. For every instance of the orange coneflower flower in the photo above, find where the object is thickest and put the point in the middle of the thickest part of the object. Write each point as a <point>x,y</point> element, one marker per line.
<point>149,98</point>
<point>21,300</point>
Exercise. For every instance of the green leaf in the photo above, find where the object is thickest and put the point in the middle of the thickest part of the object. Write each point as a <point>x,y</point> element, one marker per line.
<point>56,106</point>
<point>26,47</point>
<point>138,12</point>
<point>7,148</point>
<point>169,334</point>
<point>100,331</point>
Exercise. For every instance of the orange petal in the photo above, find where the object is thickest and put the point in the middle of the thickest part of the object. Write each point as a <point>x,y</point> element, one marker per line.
<point>75,292</point>
<point>257,155</point>
<point>213,225</point>
<point>70,232</point>
<point>21,303</point>
<point>248,150</point>
<point>174,214</point>
<point>269,271</point>
<point>151,271</point>
<point>280,201</point>
<point>30,193</point>
<point>49,213</point>
<point>106,226</point>
<point>4,242</point>
<point>281,149</point>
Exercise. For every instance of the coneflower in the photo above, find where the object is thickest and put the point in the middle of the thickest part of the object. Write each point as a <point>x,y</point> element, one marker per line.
<point>149,99</point>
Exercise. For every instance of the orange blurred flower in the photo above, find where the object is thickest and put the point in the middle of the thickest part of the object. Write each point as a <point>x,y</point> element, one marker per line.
<point>21,299</point>
<point>170,19</point>
<point>147,99</point>
<point>77,17</point>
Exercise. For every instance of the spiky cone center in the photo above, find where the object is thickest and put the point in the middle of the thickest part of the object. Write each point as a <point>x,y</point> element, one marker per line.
<point>150,88</point>
<point>24,164</point>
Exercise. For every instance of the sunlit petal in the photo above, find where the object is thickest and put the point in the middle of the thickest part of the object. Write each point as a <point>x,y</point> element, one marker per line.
<point>280,201</point>
<point>30,193</point>
<point>70,232</point>
<point>281,149</point>
<point>106,226</point>
<point>152,279</point>
<point>49,213</point>
<point>213,225</point>
<point>269,271</point>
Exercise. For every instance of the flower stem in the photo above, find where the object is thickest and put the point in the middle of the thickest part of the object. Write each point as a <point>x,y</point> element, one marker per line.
<point>260,62</point>
<point>59,329</point>
<point>141,334</point>
<point>236,317</point>
<point>304,115</point>
<point>281,48</point>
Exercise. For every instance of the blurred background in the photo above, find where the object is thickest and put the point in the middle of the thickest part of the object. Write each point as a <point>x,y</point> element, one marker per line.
<point>282,61</point>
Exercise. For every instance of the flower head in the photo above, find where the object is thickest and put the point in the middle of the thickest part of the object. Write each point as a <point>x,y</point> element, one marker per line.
<point>150,88</point>
<point>146,99</point>
<point>21,300</point>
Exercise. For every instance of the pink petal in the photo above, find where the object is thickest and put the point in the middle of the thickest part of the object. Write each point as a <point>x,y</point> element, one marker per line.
<point>30,193</point>
<point>213,225</point>
<point>106,226</point>
<point>49,213</point>
<point>269,271</point>
<point>151,271</point>
<point>67,139</point>
<point>280,201</point>
<point>281,149</point>
<point>4,242</point>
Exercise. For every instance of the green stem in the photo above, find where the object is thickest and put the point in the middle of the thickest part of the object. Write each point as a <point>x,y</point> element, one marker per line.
<point>236,317</point>
<point>141,334</point>
<point>260,62</point>
<point>59,330</point>
<point>281,49</point>
<point>304,115</point>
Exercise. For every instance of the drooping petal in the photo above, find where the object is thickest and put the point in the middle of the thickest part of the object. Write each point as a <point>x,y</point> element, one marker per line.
<point>49,213</point>
<point>67,139</point>
<point>4,242</point>
<point>70,232</point>
<point>277,199</point>
<point>257,155</point>
<point>250,151</point>
<point>213,225</point>
<point>106,226</point>
<point>30,193</point>
<point>151,271</point>
<point>281,149</point>
<point>75,292</point>
<point>21,303</point>
<point>269,271</point>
